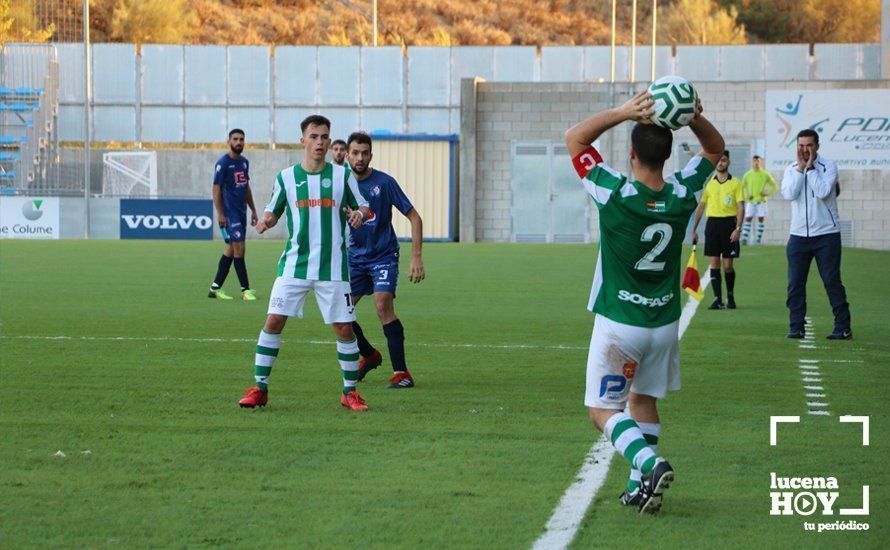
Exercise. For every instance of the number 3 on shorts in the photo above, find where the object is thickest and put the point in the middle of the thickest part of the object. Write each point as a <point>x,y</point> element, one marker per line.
<point>647,262</point>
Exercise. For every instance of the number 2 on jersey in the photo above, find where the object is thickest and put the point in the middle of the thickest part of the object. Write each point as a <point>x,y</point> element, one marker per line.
<point>664,232</point>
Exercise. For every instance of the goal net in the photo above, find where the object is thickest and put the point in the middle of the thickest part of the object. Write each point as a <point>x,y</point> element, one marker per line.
<point>130,174</point>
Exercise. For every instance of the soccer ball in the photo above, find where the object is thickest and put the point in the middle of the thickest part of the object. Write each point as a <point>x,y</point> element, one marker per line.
<point>675,101</point>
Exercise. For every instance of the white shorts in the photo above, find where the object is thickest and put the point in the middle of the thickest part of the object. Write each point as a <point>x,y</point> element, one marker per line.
<point>625,358</point>
<point>334,299</point>
<point>755,209</point>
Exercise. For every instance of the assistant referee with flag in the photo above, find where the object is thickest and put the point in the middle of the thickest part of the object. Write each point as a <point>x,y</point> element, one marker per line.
<point>725,199</point>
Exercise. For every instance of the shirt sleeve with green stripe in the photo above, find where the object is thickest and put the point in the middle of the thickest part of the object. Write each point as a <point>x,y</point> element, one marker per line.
<point>601,180</point>
<point>353,195</point>
<point>279,198</point>
<point>696,174</point>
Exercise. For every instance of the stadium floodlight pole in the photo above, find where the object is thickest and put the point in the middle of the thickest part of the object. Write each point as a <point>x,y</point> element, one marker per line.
<point>87,115</point>
<point>633,42</point>
<point>612,46</point>
<point>374,21</point>
<point>654,20</point>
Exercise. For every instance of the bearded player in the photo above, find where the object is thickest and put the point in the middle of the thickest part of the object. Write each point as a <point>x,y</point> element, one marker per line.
<point>634,351</point>
<point>374,259</point>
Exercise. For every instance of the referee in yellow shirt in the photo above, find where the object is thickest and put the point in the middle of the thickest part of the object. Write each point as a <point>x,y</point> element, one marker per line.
<point>725,198</point>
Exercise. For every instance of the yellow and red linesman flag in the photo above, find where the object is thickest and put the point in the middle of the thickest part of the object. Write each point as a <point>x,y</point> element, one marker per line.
<point>691,281</point>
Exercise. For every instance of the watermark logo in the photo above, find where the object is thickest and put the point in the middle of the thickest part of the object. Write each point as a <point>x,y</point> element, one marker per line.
<point>819,496</point>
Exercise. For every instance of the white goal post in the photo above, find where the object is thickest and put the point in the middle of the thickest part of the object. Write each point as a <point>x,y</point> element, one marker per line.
<point>131,174</point>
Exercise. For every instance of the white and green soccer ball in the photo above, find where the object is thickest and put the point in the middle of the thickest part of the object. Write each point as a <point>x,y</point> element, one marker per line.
<point>675,101</point>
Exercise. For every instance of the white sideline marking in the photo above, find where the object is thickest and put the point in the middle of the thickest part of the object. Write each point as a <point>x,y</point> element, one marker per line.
<point>809,372</point>
<point>568,514</point>
<point>253,340</point>
<point>560,530</point>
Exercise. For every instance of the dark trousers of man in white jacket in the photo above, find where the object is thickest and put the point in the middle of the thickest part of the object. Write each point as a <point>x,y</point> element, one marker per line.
<point>826,249</point>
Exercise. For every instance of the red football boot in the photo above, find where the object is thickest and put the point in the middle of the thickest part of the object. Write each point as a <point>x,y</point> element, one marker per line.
<point>367,364</point>
<point>353,401</point>
<point>254,397</point>
<point>401,379</point>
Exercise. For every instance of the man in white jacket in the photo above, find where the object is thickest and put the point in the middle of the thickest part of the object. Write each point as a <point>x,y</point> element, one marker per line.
<point>811,186</point>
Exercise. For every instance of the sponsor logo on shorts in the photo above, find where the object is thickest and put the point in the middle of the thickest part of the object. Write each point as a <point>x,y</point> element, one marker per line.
<point>627,296</point>
<point>613,387</point>
<point>276,302</point>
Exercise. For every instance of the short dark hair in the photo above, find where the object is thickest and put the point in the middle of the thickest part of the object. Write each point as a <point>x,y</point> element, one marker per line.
<point>234,131</point>
<point>757,157</point>
<point>652,144</point>
<point>318,120</point>
<point>726,153</point>
<point>809,132</point>
<point>338,142</point>
<point>359,137</point>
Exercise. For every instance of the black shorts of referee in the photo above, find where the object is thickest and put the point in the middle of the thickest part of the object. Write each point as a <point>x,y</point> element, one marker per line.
<point>718,233</point>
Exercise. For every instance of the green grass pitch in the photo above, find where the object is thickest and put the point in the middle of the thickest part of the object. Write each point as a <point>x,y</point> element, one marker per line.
<point>111,353</point>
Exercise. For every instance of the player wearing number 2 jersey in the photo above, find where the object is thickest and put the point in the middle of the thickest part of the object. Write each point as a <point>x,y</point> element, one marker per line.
<point>634,351</point>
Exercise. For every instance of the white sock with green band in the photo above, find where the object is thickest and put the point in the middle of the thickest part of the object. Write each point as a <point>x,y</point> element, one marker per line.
<point>746,230</point>
<point>629,440</point>
<point>266,351</point>
<point>347,354</point>
<point>650,433</point>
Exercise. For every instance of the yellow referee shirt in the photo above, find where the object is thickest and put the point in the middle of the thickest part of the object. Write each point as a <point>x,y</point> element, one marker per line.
<point>722,199</point>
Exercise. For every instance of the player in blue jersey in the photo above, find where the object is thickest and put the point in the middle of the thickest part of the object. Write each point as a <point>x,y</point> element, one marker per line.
<point>232,197</point>
<point>374,258</point>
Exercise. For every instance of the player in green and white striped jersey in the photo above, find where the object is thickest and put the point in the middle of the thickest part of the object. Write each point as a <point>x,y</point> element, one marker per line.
<point>319,198</point>
<point>636,289</point>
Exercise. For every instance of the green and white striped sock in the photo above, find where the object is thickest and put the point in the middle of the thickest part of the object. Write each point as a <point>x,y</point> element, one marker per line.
<point>746,230</point>
<point>628,439</point>
<point>347,353</point>
<point>650,433</point>
<point>266,351</point>
<point>759,232</point>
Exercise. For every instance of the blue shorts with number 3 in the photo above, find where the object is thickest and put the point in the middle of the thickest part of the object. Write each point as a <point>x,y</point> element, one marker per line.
<point>379,277</point>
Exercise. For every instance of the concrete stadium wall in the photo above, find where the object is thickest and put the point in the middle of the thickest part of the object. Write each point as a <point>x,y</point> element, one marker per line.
<point>194,94</point>
<point>495,115</point>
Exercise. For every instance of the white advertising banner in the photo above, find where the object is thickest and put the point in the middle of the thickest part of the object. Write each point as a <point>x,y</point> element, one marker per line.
<point>853,126</point>
<point>29,218</point>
